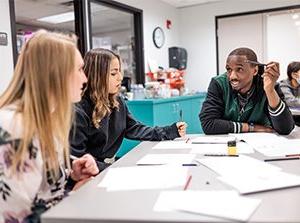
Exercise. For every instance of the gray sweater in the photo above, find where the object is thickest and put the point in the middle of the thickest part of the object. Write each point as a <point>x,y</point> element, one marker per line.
<point>291,95</point>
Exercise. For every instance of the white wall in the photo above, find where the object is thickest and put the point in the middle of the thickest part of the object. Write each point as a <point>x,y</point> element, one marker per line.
<point>249,35</point>
<point>6,56</point>
<point>289,35</point>
<point>155,13</point>
<point>197,35</point>
<point>192,28</point>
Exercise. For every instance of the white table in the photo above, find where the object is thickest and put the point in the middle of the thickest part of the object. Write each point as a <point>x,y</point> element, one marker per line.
<point>94,204</point>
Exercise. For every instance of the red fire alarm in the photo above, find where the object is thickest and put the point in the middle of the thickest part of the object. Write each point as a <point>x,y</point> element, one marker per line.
<point>168,24</point>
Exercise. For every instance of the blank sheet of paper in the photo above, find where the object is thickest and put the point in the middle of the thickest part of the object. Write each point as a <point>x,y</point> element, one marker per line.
<point>222,204</point>
<point>261,182</point>
<point>242,165</point>
<point>161,159</point>
<point>144,177</point>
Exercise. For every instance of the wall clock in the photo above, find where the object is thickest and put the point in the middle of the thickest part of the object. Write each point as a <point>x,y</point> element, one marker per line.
<point>158,37</point>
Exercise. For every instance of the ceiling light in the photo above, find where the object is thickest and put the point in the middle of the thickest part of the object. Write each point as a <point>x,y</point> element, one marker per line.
<point>295,16</point>
<point>59,18</point>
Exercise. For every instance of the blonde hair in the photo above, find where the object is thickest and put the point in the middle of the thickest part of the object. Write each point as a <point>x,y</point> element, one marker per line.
<point>97,68</point>
<point>39,89</point>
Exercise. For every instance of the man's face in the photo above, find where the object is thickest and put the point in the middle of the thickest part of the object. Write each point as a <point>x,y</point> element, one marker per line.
<point>239,73</point>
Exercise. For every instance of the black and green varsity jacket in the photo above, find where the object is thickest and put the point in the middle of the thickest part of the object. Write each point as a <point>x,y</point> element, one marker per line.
<point>221,114</point>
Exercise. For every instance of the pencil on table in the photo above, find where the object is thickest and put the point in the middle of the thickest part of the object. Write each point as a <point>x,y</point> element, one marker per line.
<point>187,182</point>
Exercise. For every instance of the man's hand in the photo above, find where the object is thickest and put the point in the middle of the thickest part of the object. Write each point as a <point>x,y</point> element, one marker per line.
<point>270,76</point>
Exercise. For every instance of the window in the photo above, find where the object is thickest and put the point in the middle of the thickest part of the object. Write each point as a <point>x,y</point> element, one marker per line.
<point>54,15</point>
<point>118,27</point>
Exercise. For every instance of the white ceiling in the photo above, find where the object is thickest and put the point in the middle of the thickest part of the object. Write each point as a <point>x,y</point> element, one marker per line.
<point>103,19</point>
<point>185,3</point>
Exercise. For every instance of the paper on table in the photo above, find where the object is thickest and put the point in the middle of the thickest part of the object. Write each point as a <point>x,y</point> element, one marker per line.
<point>236,166</point>
<point>282,148</point>
<point>159,159</point>
<point>242,148</point>
<point>223,204</point>
<point>260,139</point>
<point>212,139</point>
<point>276,180</point>
<point>172,145</point>
<point>144,177</point>
<point>256,136</point>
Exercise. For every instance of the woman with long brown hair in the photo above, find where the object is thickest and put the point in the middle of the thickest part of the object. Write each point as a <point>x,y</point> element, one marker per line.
<point>102,117</point>
<point>35,120</point>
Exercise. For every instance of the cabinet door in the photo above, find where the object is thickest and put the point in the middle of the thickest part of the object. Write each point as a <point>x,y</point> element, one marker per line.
<point>142,113</point>
<point>165,114</point>
<point>195,111</point>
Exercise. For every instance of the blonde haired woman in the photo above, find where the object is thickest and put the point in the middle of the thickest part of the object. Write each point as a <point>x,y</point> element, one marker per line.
<point>35,118</point>
<point>103,119</point>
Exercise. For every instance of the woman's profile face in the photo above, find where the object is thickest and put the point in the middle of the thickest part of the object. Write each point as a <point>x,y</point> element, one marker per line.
<point>296,75</point>
<point>115,77</point>
<point>77,78</point>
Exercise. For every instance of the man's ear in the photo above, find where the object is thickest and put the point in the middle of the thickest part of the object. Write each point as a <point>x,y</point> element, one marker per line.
<point>255,70</point>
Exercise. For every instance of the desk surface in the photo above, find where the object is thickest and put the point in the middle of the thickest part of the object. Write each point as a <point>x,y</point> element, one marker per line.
<point>295,111</point>
<point>93,204</point>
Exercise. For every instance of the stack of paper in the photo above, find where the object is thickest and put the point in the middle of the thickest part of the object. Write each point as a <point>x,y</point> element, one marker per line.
<point>161,159</point>
<point>249,175</point>
<point>144,177</point>
<point>223,204</point>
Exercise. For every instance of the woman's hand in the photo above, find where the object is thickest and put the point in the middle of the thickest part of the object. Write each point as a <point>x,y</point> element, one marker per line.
<point>84,167</point>
<point>181,127</point>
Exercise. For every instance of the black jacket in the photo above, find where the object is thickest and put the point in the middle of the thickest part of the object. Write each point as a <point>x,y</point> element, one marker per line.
<point>220,112</point>
<point>105,141</point>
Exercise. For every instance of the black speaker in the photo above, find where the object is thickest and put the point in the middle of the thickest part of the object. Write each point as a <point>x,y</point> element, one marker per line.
<point>177,58</point>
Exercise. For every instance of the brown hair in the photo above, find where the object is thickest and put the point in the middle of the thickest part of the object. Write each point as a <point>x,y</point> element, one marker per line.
<point>97,68</point>
<point>293,67</point>
<point>38,89</point>
<point>250,55</point>
<point>243,51</point>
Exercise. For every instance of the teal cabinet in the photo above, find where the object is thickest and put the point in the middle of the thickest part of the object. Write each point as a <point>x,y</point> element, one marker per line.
<point>161,112</point>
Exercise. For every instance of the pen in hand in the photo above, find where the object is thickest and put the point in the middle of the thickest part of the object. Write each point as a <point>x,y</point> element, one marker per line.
<point>72,157</point>
<point>180,116</point>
